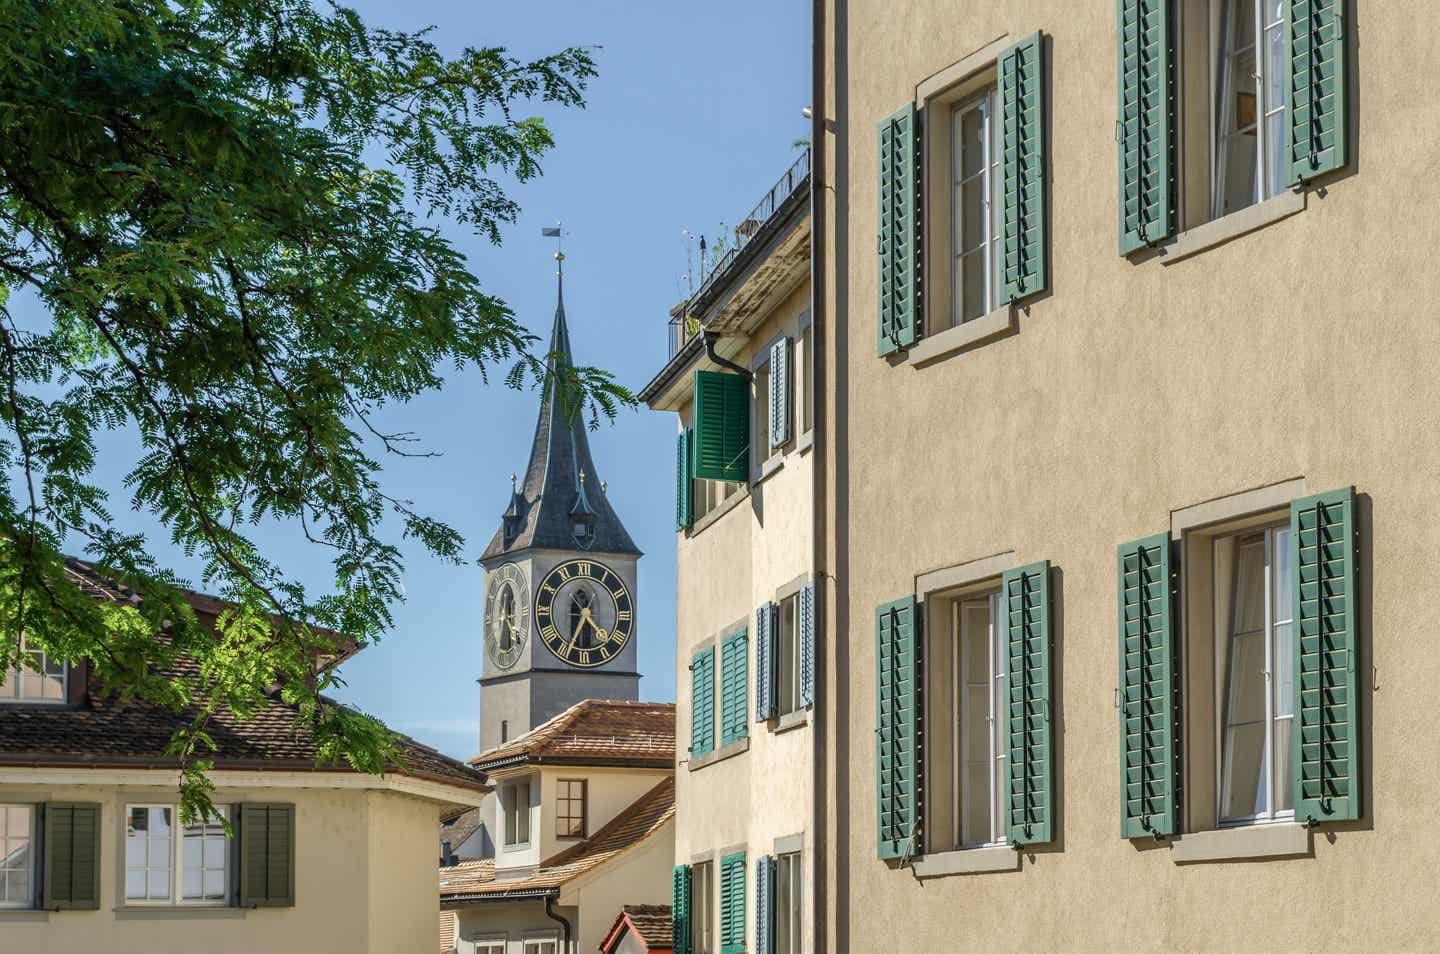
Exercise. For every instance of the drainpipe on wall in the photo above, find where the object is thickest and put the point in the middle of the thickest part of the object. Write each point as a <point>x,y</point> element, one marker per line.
<point>564,924</point>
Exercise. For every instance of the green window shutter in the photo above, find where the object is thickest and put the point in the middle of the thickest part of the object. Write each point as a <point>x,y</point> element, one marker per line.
<point>722,426</point>
<point>898,243</point>
<point>1029,810</point>
<point>267,855</point>
<point>732,904</point>
<point>680,910</point>
<point>1325,733</point>
<point>1022,156</point>
<point>684,479</point>
<point>702,703</point>
<point>1315,89</point>
<point>72,857</point>
<point>1146,122</point>
<point>1149,690</point>
<point>734,691</point>
<point>897,728</point>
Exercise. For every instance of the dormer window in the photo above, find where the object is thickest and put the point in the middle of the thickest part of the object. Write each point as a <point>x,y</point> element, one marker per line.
<point>38,678</point>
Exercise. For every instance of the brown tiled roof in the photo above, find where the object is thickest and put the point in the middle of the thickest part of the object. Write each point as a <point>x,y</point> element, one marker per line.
<point>475,881</point>
<point>449,928</point>
<point>649,922</point>
<point>594,732</point>
<point>457,829</point>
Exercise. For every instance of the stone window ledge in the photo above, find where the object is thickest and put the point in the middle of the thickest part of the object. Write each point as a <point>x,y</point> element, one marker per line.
<point>1232,226</point>
<point>23,914</point>
<point>942,344</point>
<point>721,509</point>
<point>1241,844</point>
<point>140,912</point>
<point>968,861</point>
<point>791,720</point>
<point>771,465</point>
<point>721,754</point>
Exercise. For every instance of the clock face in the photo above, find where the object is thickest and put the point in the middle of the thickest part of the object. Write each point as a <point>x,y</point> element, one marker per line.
<point>584,612</point>
<point>507,615</point>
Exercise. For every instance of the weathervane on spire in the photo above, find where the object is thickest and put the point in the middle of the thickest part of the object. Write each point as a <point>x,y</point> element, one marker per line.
<point>558,234</point>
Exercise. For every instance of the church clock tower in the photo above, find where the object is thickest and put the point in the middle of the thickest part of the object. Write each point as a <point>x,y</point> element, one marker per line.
<point>560,617</point>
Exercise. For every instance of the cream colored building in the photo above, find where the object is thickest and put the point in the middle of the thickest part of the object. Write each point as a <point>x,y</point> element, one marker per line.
<point>744,844</point>
<point>1129,313</point>
<point>94,857</point>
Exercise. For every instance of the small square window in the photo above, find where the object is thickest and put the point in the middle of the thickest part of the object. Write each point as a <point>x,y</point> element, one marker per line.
<point>570,808</point>
<point>38,678</point>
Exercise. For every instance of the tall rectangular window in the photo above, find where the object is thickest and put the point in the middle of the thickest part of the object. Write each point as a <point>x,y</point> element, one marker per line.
<point>702,909</point>
<point>788,893</point>
<point>787,647</point>
<point>38,678</point>
<point>570,808</point>
<point>975,173</point>
<point>760,428</point>
<point>1250,104</point>
<point>515,801</point>
<point>1255,614</point>
<point>17,861</point>
<point>807,380</point>
<point>167,864</point>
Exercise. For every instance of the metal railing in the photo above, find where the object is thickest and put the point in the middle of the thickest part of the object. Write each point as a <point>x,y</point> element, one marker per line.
<point>682,327</point>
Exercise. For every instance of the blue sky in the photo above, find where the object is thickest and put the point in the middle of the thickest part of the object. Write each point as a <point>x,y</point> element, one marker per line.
<point>693,116</point>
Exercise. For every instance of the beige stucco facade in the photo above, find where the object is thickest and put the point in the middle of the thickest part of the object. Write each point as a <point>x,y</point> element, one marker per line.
<point>1299,355</point>
<point>364,866</point>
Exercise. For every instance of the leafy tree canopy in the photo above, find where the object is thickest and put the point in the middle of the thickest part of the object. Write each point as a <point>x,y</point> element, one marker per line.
<point>221,206</point>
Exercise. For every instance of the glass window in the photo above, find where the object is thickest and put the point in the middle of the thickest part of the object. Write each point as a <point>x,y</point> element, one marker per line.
<point>17,866</point>
<point>1257,673</point>
<point>490,947</point>
<point>1250,110</point>
<point>541,945</point>
<point>974,164</point>
<point>761,430</point>
<point>516,799</point>
<point>702,910</point>
<point>37,678</point>
<point>154,857</point>
<point>788,937</point>
<point>570,808</point>
<point>807,369</point>
<point>787,648</point>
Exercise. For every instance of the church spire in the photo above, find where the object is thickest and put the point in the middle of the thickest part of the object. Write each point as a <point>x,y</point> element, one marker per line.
<point>552,508</point>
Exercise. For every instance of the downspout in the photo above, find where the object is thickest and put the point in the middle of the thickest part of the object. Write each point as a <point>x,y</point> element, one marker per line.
<point>711,337</point>
<point>564,924</point>
<point>819,805</point>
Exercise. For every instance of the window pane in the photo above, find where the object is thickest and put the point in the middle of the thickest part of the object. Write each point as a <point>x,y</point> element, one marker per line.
<point>976,804</point>
<point>159,884</point>
<point>1249,587</point>
<point>787,647</point>
<point>972,215</point>
<point>16,886</point>
<point>1247,680</point>
<point>1284,575</point>
<point>1274,68</point>
<point>1242,14</point>
<point>972,286</point>
<point>1245,779</point>
<point>1284,670</point>
<point>971,142</point>
<point>1283,799</point>
<point>135,885</point>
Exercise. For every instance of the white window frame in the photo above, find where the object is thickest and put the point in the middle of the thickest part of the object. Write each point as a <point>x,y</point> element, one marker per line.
<point>963,684</point>
<point>982,101</point>
<point>787,682</point>
<point>1264,110</point>
<point>512,811</point>
<point>12,681</point>
<point>564,797</point>
<point>176,868</point>
<point>1272,625</point>
<point>789,917</point>
<point>488,944</point>
<point>535,943</point>
<point>12,842</point>
<point>702,907</point>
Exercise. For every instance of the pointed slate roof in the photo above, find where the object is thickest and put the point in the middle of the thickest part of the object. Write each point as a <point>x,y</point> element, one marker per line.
<point>553,493</point>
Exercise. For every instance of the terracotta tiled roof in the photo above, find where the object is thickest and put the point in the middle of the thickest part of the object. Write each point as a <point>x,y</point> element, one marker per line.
<point>475,881</point>
<point>594,731</point>
<point>649,922</point>
<point>457,829</point>
<point>449,928</point>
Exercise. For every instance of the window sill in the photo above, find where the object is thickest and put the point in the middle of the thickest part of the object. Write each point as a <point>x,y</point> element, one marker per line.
<point>806,442</point>
<point>769,467</point>
<point>968,861</point>
<point>1232,226</point>
<point>23,914</point>
<point>790,720</point>
<point>932,348</point>
<point>137,912</point>
<point>1239,844</point>
<point>721,754</point>
<point>724,507</point>
<point>516,848</point>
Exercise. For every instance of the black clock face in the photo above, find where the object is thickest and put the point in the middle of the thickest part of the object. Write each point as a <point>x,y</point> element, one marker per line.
<point>507,615</point>
<point>584,613</point>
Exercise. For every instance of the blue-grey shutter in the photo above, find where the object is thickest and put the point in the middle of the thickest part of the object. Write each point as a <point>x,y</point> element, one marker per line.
<point>765,905</point>
<point>766,660</point>
<point>779,393</point>
<point>897,729</point>
<point>1146,122</point>
<point>899,239</point>
<point>1325,732</point>
<point>1316,89</point>
<point>1022,166</point>
<point>1149,690</point>
<point>1029,788</point>
<point>807,644</point>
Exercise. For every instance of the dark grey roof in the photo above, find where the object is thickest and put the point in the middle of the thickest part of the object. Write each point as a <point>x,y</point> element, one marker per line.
<point>554,492</point>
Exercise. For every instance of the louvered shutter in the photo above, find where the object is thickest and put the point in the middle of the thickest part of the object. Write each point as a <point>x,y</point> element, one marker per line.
<point>779,393</point>
<point>680,910</point>
<point>722,426</point>
<point>734,688</point>
<point>807,644</point>
<point>766,660</point>
<point>1146,122</point>
<point>1022,157</point>
<point>1316,89</point>
<point>267,855</point>
<point>897,728</point>
<point>684,479</point>
<point>899,240</point>
<point>71,857</point>
<point>1029,786</point>
<point>765,905</point>
<point>1325,732</point>
<point>1149,690</point>
<point>702,703</point>
<point>732,904</point>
